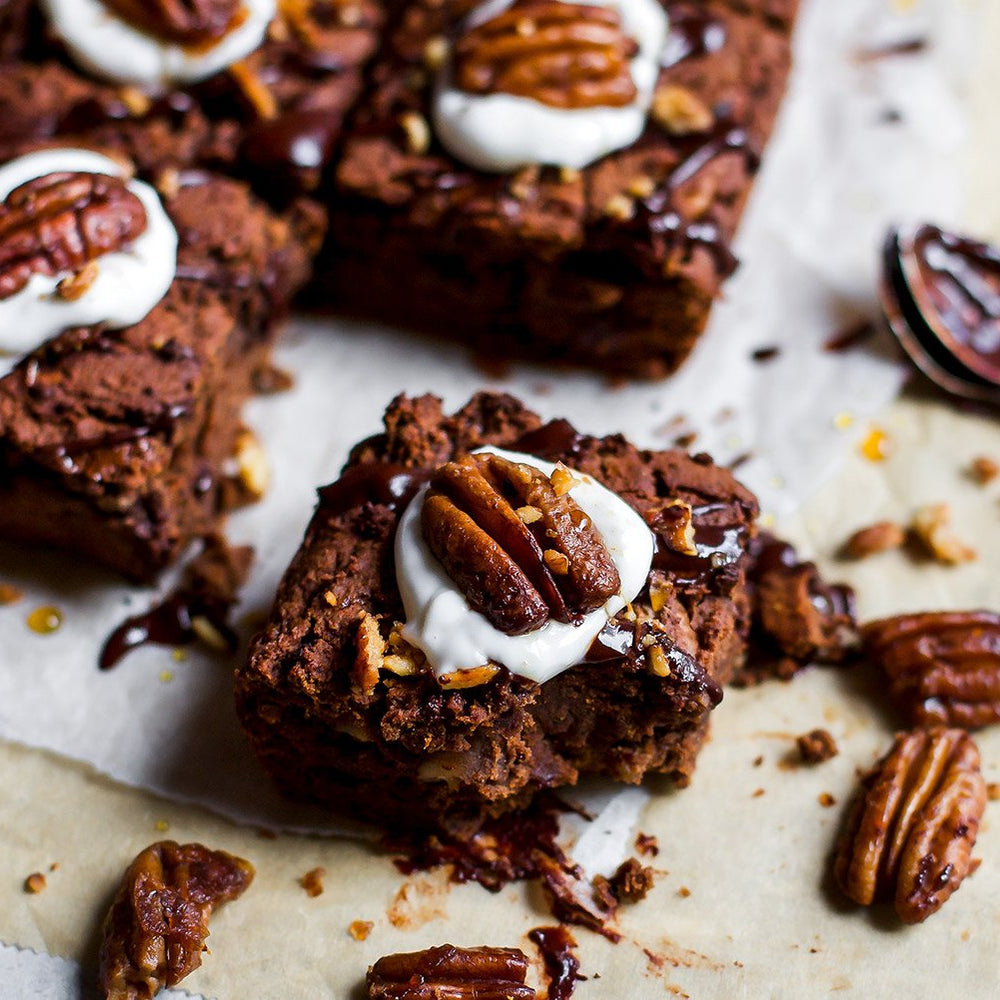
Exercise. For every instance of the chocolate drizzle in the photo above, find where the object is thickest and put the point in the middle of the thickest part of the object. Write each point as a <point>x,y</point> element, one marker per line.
<point>556,439</point>
<point>383,483</point>
<point>692,35</point>
<point>717,546</point>
<point>562,967</point>
<point>631,642</point>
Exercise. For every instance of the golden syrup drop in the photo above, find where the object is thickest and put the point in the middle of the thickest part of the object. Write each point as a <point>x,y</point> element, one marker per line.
<point>45,620</point>
<point>875,446</point>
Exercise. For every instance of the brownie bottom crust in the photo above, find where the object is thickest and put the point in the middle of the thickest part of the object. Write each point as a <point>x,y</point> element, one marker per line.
<point>343,712</point>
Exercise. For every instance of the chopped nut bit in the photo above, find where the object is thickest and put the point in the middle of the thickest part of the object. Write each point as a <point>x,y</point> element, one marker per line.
<point>251,462</point>
<point>452,973</point>
<point>77,285</point>
<point>641,187</point>
<point>681,112</point>
<point>436,52</point>
<point>35,883</point>
<point>817,746</point>
<point>312,882</point>
<point>360,929</point>
<point>984,470</point>
<point>932,525</point>
<point>468,678</point>
<point>826,800</point>
<point>993,791</point>
<point>659,665</point>
<point>371,653</point>
<point>154,934</point>
<point>620,206</point>
<point>877,538</point>
<point>563,480</point>
<point>168,183</point>
<point>556,561</point>
<point>9,594</point>
<point>417,132</point>
<point>529,514</point>
<point>137,101</point>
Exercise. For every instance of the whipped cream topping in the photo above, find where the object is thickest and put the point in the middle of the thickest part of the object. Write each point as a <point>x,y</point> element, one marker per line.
<point>129,282</point>
<point>453,637</point>
<point>104,44</point>
<point>503,132</point>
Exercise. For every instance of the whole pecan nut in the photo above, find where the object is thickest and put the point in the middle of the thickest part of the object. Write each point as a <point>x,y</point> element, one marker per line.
<point>185,22</point>
<point>565,55</point>
<point>943,667</point>
<point>515,542</point>
<point>910,834</point>
<point>155,932</point>
<point>450,973</point>
<point>62,222</point>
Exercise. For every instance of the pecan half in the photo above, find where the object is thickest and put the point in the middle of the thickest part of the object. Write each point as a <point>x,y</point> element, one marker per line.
<point>62,222</point>
<point>943,667</point>
<point>565,55</point>
<point>910,834</point>
<point>519,551</point>
<point>450,973</point>
<point>184,22</point>
<point>155,932</point>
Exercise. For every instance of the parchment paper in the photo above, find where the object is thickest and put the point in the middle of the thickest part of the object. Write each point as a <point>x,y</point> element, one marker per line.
<point>836,172</point>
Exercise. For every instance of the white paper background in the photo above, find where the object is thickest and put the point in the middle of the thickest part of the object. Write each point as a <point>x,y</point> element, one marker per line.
<point>835,174</point>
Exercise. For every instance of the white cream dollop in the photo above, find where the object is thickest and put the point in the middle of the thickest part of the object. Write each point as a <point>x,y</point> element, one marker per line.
<point>503,132</point>
<point>453,637</point>
<point>129,282</point>
<point>103,43</point>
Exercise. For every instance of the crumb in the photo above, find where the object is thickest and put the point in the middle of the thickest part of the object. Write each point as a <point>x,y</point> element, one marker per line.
<point>876,445</point>
<point>647,844</point>
<point>312,882</point>
<point>817,746</point>
<point>758,760</point>
<point>765,354</point>
<point>270,380</point>
<point>266,834</point>
<point>54,867</point>
<point>878,537</point>
<point>35,883</point>
<point>9,594</point>
<point>360,929</point>
<point>631,882</point>
<point>983,470</point>
<point>932,526</point>
<point>993,791</point>
<point>757,794</point>
<point>684,892</point>
<point>685,440</point>
<point>826,800</point>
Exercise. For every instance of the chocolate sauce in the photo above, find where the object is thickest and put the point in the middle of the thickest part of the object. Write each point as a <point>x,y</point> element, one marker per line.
<point>716,546</point>
<point>383,483</point>
<point>625,640</point>
<point>296,140</point>
<point>562,967</point>
<point>692,35</point>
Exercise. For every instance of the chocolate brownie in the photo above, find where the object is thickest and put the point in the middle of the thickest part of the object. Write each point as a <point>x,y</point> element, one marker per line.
<point>346,706</point>
<point>116,430</point>
<point>608,257</point>
<point>271,113</point>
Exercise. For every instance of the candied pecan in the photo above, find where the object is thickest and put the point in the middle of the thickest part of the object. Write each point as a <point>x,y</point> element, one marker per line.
<point>943,667</point>
<point>185,22</point>
<point>875,538</point>
<point>450,973</point>
<point>565,55</point>
<point>910,834</point>
<point>519,551</point>
<point>155,932</point>
<point>62,222</point>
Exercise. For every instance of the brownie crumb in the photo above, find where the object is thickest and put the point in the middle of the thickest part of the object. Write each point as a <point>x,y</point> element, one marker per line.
<point>817,746</point>
<point>647,844</point>
<point>312,882</point>
<point>758,792</point>
<point>983,470</point>
<point>35,883</point>
<point>9,594</point>
<point>993,791</point>
<point>631,881</point>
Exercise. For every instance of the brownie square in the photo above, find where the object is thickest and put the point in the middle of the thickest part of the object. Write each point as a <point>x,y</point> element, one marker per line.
<point>272,117</point>
<point>613,266</point>
<point>344,711</point>
<point>115,443</point>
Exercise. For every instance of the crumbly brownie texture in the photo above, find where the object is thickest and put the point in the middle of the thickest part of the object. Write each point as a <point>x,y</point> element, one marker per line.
<point>273,118</point>
<point>113,442</point>
<point>613,267</point>
<point>407,752</point>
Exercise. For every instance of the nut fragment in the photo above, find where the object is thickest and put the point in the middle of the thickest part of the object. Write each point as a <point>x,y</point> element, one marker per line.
<point>312,882</point>
<point>517,575</point>
<point>371,653</point>
<point>876,538</point>
<point>472,677</point>
<point>932,525</point>
<point>680,111</point>
<point>910,834</point>
<point>75,286</point>
<point>252,465</point>
<point>185,22</point>
<point>943,667</point>
<point>61,222</point>
<point>155,932</point>
<point>417,132</point>
<point>565,55</point>
<point>817,746</point>
<point>984,469</point>
<point>450,973</point>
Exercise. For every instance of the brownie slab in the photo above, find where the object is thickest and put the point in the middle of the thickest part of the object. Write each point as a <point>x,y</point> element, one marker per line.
<point>114,443</point>
<point>343,710</point>
<point>613,266</point>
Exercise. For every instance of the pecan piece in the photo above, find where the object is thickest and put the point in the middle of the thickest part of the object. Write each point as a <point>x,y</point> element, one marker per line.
<point>450,973</point>
<point>910,833</point>
<point>943,667</point>
<point>520,551</point>
<point>184,22</point>
<point>565,55</point>
<point>155,932</point>
<point>62,222</point>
